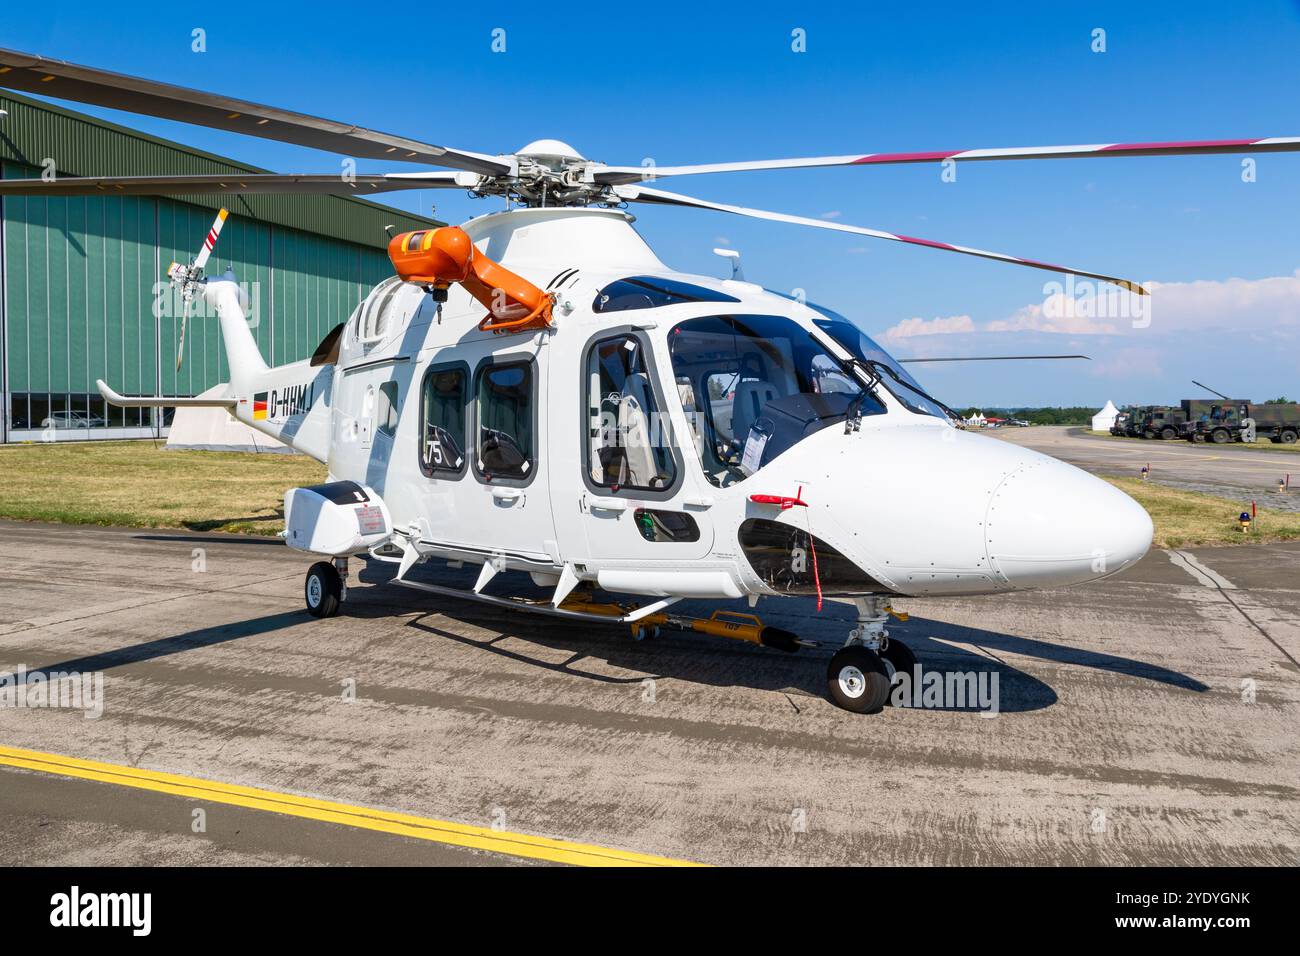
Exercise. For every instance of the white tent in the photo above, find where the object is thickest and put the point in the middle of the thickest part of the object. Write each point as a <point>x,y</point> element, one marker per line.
<point>1102,421</point>
<point>215,429</point>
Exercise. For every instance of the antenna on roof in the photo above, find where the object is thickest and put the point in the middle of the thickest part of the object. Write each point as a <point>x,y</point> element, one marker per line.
<point>734,256</point>
<point>1208,389</point>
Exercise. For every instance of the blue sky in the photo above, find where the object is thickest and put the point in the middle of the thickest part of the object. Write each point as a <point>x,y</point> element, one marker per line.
<point>712,82</point>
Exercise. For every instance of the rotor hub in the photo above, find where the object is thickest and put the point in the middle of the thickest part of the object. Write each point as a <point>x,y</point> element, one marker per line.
<point>551,152</point>
<point>549,172</point>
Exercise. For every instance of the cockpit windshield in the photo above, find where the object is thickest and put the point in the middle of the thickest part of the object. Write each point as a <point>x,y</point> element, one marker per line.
<point>881,365</point>
<point>753,386</point>
<point>878,363</point>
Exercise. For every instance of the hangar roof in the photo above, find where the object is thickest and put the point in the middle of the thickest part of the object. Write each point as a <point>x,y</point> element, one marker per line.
<point>83,145</point>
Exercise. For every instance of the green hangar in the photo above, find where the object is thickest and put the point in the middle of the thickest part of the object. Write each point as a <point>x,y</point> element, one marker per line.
<point>83,287</point>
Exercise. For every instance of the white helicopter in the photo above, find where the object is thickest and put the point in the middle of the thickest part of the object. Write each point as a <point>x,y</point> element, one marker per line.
<point>536,392</point>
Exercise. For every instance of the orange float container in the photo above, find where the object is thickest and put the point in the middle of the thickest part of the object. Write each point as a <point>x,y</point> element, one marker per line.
<point>438,257</point>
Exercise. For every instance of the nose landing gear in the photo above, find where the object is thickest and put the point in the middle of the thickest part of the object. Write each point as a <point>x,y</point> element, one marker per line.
<point>861,674</point>
<point>326,587</point>
<point>856,680</point>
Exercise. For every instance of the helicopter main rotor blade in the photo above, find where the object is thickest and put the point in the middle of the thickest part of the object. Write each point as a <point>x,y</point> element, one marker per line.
<point>332,184</point>
<point>618,175</point>
<point>646,195</point>
<point>59,79</point>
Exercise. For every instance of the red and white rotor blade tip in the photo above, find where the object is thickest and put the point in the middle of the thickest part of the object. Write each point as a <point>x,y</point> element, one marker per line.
<point>1275,144</point>
<point>646,195</point>
<point>210,242</point>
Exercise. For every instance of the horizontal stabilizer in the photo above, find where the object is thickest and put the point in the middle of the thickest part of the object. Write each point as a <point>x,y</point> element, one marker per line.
<point>160,401</point>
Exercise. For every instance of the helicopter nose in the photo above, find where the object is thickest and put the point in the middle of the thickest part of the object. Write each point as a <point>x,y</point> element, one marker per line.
<point>1051,524</point>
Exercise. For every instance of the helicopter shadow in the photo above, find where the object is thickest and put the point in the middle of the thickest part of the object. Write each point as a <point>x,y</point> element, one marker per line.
<point>950,649</point>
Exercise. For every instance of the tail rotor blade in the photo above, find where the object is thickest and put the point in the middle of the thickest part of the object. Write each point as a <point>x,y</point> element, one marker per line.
<point>180,348</point>
<point>210,242</point>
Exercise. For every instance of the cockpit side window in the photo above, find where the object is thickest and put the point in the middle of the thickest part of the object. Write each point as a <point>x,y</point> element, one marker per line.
<point>753,386</point>
<point>628,439</point>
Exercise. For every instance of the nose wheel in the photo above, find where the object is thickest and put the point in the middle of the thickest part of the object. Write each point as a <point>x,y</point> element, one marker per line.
<point>857,680</point>
<point>324,589</point>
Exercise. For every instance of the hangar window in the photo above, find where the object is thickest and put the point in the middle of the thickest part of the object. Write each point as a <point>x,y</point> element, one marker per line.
<point>650,292</point>
<point>442,421</point>
<point>628,444</point>
<point>505,422</point>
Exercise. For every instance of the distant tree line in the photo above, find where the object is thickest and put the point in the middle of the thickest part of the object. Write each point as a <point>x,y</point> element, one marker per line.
<point>1055,415</point>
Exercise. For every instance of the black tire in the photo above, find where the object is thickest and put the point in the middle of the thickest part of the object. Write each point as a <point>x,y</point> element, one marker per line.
<point>856,680</point>
<point>1167,433</point>
<point>899,659</point>
<point>323,590</point>
<point>1220,436</point>
<point>1288,436</point>
<point>1198,437</point>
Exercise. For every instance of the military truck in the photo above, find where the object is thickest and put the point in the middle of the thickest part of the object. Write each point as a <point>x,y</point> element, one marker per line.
<point>1232,420</point>
<point>1279,422</point>
<point>1133,427</point>
<point>1118,426</point>
<point>1162,422</point>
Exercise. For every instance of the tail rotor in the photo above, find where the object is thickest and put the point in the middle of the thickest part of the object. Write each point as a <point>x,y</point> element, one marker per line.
<point>189,278</point>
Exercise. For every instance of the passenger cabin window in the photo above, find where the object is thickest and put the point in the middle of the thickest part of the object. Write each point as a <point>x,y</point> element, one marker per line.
<point>753,386</point>
<point>505,421</point>
<point>386,411</point>
<point>650,292</point>
<point>372,324</point>
<point>442,422</point>
<point>628,444</point>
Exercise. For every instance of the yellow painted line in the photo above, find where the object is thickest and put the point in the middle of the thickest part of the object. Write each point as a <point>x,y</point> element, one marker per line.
<point>383,821</point>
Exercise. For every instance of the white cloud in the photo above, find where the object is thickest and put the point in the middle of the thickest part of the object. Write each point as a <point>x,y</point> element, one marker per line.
<point>1230,304</point>
<point>1268,307</point>
<point>910,328</point>
<point>1057,313</point>
<point>833,214</point>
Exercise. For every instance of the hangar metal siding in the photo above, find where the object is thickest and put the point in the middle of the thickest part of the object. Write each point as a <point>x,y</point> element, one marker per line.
<point>84,145</point>
<point>81,274</point>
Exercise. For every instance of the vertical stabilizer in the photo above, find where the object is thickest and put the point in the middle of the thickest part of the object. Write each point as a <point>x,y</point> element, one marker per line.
<point>225,295</point>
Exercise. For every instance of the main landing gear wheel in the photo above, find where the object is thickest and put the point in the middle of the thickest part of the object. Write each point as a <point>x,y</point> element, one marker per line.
<point>898,659</point>
<point>323,590</point>
<point>641,632</point>
<point>857,680</point>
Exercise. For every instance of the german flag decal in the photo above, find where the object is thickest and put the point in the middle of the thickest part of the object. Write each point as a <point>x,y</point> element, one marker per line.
<point>259,407</point>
